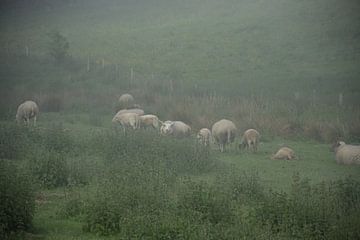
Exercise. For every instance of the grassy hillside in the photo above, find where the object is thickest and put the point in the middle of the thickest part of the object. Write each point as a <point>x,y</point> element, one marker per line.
<point>231,47</point>
<point>274,65</point>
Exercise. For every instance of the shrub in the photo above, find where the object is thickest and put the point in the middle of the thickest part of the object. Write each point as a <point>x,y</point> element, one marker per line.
<point>207,203</point>
<point>17,200</point>
<point>313,212</point>
<point>58,46</point>
<point>12,137</point>
<point>49,168</point>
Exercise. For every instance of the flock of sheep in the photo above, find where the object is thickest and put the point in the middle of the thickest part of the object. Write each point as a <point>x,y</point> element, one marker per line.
<point>223,132</point>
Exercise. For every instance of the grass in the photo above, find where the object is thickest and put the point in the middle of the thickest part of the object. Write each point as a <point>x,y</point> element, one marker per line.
<point>97,159</point>
<point>195,61</point>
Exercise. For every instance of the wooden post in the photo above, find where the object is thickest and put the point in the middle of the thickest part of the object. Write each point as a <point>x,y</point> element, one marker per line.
<point>131,76</point>
<point>88,64</point>
<point>313,97</point>
<point>26,51</point>
<point>341,99</point>
<point>297,96</point>
<point>171,87</point>
<point>116,71</point>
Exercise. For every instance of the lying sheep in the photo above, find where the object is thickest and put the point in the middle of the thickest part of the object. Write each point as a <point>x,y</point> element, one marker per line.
<point>204,137</point>
<point>223,132</point>
<point>162,127</point>
<point>126,101</point>
<point>250,140</point>
<point>138,111</point>
<point>149,120</point>
<point>284,153</point>
<point>26,111</point>
<point>346,154</point>
<point>175,128</point>
<point>127,120</point>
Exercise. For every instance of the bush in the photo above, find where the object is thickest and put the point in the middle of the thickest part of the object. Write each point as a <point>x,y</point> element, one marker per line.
<point>58,46</point>
<point>49,168</point>
<point>11,140</point>
<point>314,212</point>
<point>17,200</point>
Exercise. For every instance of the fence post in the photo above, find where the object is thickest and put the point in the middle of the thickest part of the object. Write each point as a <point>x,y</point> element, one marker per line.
<point>88,64</point>
<point>297,96</point>
<point>26,51</point>
<point>341,99</point>
<point>131,76</point>
<point>313,97</point>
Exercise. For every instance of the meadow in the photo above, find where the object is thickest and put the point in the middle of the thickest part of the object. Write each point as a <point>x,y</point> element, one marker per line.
<point>288,69</point>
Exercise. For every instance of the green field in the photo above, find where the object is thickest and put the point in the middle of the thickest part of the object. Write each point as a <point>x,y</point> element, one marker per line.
<point>290,69</point>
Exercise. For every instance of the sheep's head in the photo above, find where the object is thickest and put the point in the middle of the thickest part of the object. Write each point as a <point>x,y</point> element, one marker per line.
<point>336,145</point>
<point>167,127</point>
<point>200,138</point>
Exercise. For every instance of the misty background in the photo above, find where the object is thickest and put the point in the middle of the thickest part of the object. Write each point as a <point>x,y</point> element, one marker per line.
<point>274,47</point>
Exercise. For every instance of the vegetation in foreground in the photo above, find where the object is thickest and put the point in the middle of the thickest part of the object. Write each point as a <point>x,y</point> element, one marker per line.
<point>142,185</point>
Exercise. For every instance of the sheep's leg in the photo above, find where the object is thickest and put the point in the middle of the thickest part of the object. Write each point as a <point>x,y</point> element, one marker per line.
<point>34,121</point>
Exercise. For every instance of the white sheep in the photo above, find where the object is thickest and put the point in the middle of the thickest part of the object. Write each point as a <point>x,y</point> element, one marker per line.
<point>126,101</point>
<point>346,154</point>
<point>223,132</point>
<point>127,120</point>
<point>250,140</point>
<point>138,111</point>
<point>175,128</point>
<point>163,125</point>
<point>26,111</point>
<point>284,153</point>
<point>204,136</point>
<point>150,120</point>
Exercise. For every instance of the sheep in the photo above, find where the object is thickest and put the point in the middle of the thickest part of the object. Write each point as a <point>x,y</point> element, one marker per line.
<point>126,101</point>
<point>175,128</point>
<point>26,111</point>
<point>346,154</point>
<point>150,121</point>
<point>285,153</point>
<point>250,140</point>
<point>127,120</point>
<point>223,132</point>
<point>138,111</point>
<point>162,127</point>
<point>204,137</point>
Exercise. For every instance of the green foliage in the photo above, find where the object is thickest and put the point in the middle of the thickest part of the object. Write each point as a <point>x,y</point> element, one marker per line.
<point>17,201</point>
<point>148,147</point>
<point>58,46</point>
<point>314,212</point>
<point>11,141</point>
<point>49,168</point>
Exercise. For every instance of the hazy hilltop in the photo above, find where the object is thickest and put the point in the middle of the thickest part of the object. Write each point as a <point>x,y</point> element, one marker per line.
<point>233,46</point>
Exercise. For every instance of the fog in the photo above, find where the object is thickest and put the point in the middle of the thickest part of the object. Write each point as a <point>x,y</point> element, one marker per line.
<point>79,169</point>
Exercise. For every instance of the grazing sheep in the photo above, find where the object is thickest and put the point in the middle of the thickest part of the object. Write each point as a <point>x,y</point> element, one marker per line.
<point>223,132</point>
<point>175,128</point>
<point>127,120</point>
<point>250,140</point>
<point>149,121</point>
<point>284,153</point>
<point>126,101</point>
<point>204,137</point>
<point>26,111</point>
<point>346,154</point>
<point>138,111</point>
